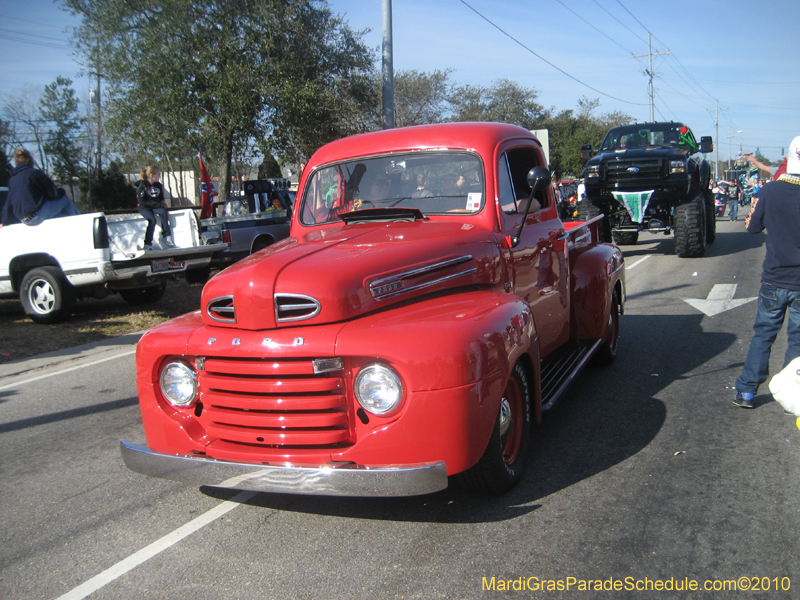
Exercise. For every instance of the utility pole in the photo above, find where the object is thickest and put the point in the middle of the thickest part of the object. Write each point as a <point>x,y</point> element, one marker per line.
<point>650,73</point>
<point>388,67</point>
<point>716,136</point>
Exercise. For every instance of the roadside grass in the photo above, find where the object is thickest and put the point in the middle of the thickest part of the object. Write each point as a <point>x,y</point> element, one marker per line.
<point>93,320</point>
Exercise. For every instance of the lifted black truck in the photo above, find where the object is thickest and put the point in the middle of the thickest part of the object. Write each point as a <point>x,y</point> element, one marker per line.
<point>651,177</point>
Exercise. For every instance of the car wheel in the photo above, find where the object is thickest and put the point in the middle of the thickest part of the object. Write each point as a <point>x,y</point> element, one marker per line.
<point>144,295</point>
<point>200,275</point>
<point>46,295</point>
<point>690,229</point>
<point>607,351</point>
<point>588,211</point>
<point>505,458</point>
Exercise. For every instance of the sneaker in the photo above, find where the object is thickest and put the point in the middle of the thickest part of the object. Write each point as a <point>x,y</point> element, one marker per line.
<point>743,399</point>
<point>168,242</point>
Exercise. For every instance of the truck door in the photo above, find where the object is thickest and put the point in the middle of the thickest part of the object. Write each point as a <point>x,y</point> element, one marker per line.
<point>539,261</point>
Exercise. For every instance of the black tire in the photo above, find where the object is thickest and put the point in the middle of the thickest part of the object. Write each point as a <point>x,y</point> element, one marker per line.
<point>200,275</point>
<point>144,295</point>
<point>46,295</point>
<point>626,238</point>
<point>690,229</point>
<point>588,211</point>
<point>711,217</point>
<point>607,352</point>
<point>506,455</point>
<point>261,243</point>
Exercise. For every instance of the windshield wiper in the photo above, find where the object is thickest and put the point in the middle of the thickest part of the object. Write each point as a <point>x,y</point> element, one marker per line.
<point>382,214</point>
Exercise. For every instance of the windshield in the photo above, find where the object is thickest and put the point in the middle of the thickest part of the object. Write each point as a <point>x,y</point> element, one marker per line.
<point>665,135</point>
<point>433,182</point>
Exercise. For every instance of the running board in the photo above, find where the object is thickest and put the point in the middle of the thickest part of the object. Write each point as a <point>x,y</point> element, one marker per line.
<point>560,367</point>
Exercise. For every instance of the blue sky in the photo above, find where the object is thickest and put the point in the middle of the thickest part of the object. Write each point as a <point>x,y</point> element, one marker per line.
<point>742,54</point>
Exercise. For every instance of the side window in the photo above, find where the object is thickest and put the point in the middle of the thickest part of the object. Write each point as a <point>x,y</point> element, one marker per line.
<point>505,189</point>
<point>519,162</point>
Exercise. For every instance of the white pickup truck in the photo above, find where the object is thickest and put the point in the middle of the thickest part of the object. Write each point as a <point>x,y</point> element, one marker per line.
<point>50,266</point>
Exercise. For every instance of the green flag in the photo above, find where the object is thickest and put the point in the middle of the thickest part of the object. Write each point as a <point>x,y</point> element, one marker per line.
<point>635,203</point>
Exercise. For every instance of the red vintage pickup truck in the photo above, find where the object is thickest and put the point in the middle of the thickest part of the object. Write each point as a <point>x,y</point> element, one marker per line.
<point>427,307</point>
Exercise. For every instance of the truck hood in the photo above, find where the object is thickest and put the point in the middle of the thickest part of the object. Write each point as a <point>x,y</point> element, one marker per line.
<point>338,273</point>
<point>633,153</point>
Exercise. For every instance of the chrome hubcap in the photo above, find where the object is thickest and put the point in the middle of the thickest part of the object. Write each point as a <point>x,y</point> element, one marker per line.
<point>505,416</point>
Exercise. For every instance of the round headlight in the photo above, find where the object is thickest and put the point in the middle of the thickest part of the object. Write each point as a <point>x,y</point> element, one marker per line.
<point>178,384</point>
<point>378,389</point>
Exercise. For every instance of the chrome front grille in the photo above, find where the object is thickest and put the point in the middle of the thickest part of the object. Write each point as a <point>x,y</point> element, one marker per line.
<point>295,307</point>
<point>272,404</point>
<point>221,309</point>
<point>631,170</point>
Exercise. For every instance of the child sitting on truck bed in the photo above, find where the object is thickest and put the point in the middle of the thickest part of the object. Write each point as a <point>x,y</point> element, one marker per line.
<point>150,200</point>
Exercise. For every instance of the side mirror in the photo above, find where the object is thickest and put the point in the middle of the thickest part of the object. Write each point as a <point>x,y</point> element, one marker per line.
<point>538,179</point>
<point>706,144</point>
<point>586,152</point>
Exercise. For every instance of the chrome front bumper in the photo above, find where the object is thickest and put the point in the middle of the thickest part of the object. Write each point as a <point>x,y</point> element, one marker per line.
<point>333,480</point>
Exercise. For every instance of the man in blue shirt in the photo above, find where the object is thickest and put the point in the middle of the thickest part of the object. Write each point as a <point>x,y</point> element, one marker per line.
<point>776,209</point>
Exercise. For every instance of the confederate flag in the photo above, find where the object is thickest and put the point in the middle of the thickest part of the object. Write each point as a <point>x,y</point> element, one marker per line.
<point>207,192</point>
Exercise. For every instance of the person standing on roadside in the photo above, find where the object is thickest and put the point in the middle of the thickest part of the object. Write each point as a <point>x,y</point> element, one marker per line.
<point>151,203</point>
<point>776,209</point>
<point>734,194</point>
<point>32,195</point>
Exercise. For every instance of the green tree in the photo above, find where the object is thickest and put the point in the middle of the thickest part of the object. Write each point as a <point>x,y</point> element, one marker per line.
<point>570,129</point>
<point>420,98</point>
<point>220,75</point>
<point>60,106</point>
<point>505,101</point>
<point>110,190</point>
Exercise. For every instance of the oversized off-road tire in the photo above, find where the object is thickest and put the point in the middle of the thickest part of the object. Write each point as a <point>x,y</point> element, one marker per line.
<point>607,351</point>
<point>144,295</point>
<point>505,458</point>
<point>711,217</point>
<point>625,238</point>
<point>46,295</point>
<point>587,211</point>
<point>200,275</point>
<point>690,228</point>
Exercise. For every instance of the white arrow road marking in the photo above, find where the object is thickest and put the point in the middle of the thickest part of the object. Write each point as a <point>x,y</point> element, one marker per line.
<point>720,299</point>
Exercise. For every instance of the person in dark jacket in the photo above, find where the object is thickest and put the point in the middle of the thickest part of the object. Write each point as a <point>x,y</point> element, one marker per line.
<point>32,195</point>
<point>150,200</point>
<point>777,209</point>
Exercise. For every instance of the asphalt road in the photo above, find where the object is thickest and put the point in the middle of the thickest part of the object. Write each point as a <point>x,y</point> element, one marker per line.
<point>646,471</point>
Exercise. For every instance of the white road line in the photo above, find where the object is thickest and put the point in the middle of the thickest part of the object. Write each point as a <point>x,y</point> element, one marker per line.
<point>145,554</point>
<point>641,260</point>
<point>54,373</point>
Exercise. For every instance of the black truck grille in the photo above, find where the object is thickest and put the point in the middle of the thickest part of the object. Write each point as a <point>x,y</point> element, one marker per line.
<point>632,170</point>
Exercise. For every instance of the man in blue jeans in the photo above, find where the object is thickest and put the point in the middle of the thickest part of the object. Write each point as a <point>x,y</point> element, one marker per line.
<point>777,209</point>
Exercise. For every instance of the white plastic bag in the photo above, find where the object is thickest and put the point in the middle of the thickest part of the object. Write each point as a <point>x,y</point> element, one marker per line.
<point>785,387</point>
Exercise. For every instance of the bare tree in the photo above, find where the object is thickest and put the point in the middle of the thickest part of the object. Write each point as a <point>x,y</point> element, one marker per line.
<point>27,126</point>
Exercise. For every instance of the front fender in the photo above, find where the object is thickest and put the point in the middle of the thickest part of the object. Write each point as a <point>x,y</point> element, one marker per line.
<point>454,355</point>
<point>596,272</point>
<point>446,341</point>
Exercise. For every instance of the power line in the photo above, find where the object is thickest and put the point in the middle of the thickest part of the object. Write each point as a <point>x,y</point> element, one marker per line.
<point>46,44</point>
<point>560,70</point>
<point>43,37</point>
<point>33,22</point>
<point>600,31</point>
<point>620,22</point>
